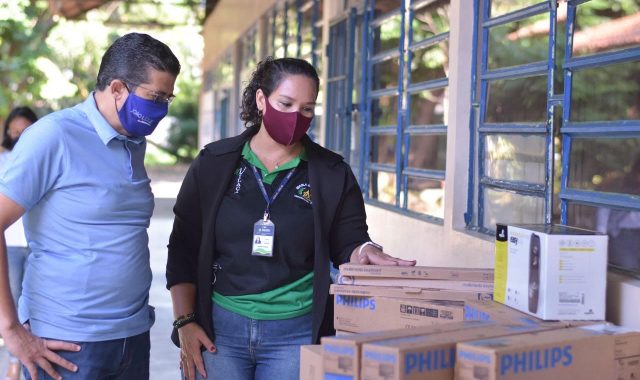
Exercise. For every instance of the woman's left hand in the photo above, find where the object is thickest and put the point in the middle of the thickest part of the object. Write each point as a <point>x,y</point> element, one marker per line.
<point>369,255</point>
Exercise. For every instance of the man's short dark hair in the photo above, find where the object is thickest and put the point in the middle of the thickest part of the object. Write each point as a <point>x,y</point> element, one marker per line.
<point>131,56</point>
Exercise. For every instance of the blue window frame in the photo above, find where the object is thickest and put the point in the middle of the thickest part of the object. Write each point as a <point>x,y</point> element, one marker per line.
<point>309,33</point>
<point>600,183</point>
<point>555,129</point>
<point>340,81</point>
<point>296,29</point>
<point>404,112</point>
<point>249,57</point>
<point>512,132</point>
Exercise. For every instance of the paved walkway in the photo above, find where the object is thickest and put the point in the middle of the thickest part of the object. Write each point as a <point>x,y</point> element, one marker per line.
<point>164,355</point>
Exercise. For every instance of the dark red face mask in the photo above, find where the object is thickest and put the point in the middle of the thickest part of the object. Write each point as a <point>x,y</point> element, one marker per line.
<point>286,128</point>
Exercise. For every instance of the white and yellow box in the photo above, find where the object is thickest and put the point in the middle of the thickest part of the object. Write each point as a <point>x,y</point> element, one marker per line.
<point>551,271</point>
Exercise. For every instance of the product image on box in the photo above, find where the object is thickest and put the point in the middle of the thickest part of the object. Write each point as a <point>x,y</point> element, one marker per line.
<point>534,272</point>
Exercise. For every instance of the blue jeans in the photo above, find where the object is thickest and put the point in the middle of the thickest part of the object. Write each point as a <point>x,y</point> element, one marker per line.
<point>249,349</point>
<point>118,359</point>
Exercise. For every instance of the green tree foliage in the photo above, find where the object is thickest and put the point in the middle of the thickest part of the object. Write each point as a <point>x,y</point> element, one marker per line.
<point>51,63</point>
<point>24,26</point>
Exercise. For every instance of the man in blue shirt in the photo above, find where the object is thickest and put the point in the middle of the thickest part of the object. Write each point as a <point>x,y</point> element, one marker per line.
<point>78,177</point>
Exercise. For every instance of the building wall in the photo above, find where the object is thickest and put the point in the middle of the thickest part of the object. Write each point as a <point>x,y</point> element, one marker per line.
<point>441,243</point>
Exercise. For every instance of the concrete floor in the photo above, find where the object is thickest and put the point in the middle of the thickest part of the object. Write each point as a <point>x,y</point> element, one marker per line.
<point>164,355</point>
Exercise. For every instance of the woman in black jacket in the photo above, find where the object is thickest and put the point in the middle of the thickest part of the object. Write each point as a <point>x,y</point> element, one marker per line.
<point>257,221</point>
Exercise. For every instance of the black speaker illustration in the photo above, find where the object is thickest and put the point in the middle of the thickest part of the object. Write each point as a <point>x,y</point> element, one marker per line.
<point>534,273</point>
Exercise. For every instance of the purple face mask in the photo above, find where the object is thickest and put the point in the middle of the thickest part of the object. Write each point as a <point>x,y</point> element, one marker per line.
<point>141,116</point>
<point>286,128</point>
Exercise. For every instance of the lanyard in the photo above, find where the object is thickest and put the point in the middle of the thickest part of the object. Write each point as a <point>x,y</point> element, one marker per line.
<point>264,191</point>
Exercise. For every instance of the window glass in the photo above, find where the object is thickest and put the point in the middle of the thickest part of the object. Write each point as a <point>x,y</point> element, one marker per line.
<point>426,196</point>
<point>383,187</point>
<point>427,107</point>
<point>427,151</point>
<point>382,7</point>
<point>517,100</point>
<point>385,74</point>
<point>508,207</point>
<point>384,111</point>
<point>383,149</point>
<point>292,22</point>
<point>606,93</point>
<point>278,41</point>
<point>430,20</point>
<point>605,26</point>
<point>515,157</point>
<point>430,63</point>
<point>387,35</point>
<point>623,228</point>
<point>606,164</point>
<point>519,42</point>
<point>501,7</point>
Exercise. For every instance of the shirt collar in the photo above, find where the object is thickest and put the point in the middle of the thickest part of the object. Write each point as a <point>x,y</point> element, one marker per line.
<point>105,131</point>
<point>251,157</point>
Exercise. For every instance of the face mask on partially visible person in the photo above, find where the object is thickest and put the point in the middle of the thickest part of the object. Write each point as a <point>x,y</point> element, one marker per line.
<point>141,116</point>
<point>286,128</point>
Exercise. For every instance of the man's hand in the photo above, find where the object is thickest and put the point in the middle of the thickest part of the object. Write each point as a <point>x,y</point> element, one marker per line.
<point>36,352</point>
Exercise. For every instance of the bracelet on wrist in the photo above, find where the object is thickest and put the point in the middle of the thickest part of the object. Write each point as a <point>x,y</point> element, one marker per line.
<point>184,320</point>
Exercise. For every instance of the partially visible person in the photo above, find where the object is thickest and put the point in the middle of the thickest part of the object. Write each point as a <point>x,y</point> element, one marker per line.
<point>17,249</point>
<point>257,221</point>
<point>79,175</point>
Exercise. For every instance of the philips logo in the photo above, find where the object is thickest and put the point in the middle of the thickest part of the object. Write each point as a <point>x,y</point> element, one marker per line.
<point>356,302</point>
<point>436,360</point>
<point>537,360</point>
<point>472,314</point>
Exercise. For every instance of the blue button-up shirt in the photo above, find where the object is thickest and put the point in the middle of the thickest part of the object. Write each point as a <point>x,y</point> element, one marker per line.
<point>89,203</point>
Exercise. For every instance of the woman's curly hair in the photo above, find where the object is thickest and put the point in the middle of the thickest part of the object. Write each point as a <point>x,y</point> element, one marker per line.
<point>267,77</point>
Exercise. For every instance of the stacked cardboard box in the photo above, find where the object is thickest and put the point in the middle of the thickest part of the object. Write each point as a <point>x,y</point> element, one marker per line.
<point>430,356</point>
<point>311,362</point>
<point>374,298</point>
<point>342,354</point>
<point>599,351</point>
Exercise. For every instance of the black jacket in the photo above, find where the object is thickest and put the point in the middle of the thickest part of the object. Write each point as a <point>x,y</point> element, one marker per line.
<point>338,213</point>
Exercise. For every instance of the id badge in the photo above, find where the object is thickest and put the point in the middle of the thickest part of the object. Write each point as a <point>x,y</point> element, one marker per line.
<point>264,231</point>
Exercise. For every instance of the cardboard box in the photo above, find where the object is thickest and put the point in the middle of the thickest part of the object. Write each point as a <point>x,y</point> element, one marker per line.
<point>368,314</point>
<point>311,362</point>
<point>341,355</point>
<point>428,356</point>
<point>551,271</point>
<point>418,272</point>
<point>468,286</point>
<point>588,352</point>
<point>481,310</point>
<point>411,293</point>
<point>497,312</point>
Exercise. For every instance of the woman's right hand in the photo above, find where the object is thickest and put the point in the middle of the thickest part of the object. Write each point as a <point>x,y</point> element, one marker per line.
<point>192,337</point>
